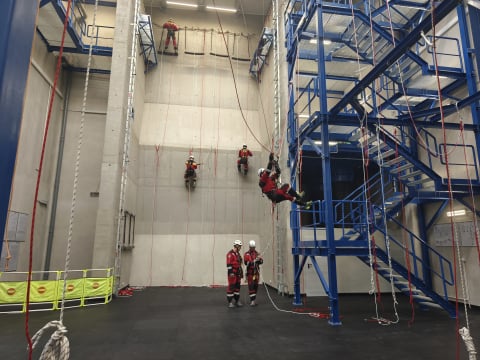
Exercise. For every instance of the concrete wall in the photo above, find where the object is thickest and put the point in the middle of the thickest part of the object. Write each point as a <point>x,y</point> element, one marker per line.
<point>191,106</point>
<point>28,154</point>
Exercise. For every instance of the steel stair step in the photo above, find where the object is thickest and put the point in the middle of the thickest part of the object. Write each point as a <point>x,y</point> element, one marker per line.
<point>366,140</point>
<point>412,174</point>
<point>376,148</point>
<point>401,168</point>
<point>384,154</point>
<point>394,161</point>
<point>419,181</point>
<point>421,297</point>
<point>431,304</point>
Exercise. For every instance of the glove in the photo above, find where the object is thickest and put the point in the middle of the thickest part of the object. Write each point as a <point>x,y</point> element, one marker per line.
<point>271,156</point>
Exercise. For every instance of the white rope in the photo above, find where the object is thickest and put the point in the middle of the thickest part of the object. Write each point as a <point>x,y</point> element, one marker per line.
<point>387,236</point>
<point>465,334</point>
<point>283,310</point>
<point>57,346</point>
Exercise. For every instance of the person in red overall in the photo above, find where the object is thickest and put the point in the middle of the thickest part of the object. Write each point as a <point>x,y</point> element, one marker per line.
<point>243,155</point>
<point>234,274</point>
<point>190,167</point>
<point>252,260</point>
<point>171,28</point>
<point>268,184</point>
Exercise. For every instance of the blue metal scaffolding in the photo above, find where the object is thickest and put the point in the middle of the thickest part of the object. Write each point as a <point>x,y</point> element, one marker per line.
<point>385,79</point>
<point>16,40</point>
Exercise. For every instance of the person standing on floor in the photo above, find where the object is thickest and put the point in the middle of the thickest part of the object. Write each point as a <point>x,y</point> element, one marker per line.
<point>253,260</point>
<point>235,274</point>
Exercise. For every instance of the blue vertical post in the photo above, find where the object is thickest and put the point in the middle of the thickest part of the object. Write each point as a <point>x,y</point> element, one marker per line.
<point>327,174</point>
<point>469,53</point>
<point>17,29</point>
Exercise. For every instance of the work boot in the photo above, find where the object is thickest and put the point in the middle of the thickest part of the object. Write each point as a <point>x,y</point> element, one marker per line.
<point>253,303</point>
<point>301,194</point>
<point>308,205</point>
<point>230,305</point>
<point>238,303</point>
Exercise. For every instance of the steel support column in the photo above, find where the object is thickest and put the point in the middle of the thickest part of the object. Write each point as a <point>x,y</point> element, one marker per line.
<point>327,176</point>
<point>17,30</point>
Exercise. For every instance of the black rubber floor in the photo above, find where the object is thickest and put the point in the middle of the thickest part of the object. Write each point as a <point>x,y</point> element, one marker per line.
<point>195,323</point>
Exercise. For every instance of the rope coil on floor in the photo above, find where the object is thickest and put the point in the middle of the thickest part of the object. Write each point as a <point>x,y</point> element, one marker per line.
<point>58,346</point>
<point>465,334</point>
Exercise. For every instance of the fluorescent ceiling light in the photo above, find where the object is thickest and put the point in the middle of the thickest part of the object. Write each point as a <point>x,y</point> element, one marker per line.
<point>221,9</point>
<point>456,213</point>
<point>325,41</point>
<point>182,4</point>
<point>304,116</point>
<point>330,143</point>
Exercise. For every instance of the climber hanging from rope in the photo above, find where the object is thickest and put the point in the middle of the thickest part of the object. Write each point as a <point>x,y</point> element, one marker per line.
<point>242,161</point>
<point>190,173</point>
<point>269,185</point>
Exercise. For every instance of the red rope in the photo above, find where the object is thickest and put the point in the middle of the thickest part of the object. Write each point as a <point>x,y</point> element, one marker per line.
<point>37,186</point>
<point>405,244</point>
<point>449,181</point>
<point>154,212</point>
<point>235,83</point>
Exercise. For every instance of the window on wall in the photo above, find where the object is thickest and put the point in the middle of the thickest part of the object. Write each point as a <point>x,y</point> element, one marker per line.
<point>128,236</point>
<point>16,234</point>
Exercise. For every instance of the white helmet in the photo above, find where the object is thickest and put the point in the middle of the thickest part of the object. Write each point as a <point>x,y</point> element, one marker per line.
<point>251,243</point>
<point>237,242</point>
<point>191,157</point>
<point>244,146</point>
<point>260,171</point>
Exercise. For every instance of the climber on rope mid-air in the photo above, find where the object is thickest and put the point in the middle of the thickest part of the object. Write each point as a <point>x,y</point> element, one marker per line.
<point>269,185</point>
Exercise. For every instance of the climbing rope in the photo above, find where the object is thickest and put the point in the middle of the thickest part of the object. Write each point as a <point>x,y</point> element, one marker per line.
<point>57,347</point>
<point>465,332</point>
<point>37,187</point>
<point>235,83</point>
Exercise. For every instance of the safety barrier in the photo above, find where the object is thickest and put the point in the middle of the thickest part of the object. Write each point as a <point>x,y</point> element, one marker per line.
<point>49,288</point>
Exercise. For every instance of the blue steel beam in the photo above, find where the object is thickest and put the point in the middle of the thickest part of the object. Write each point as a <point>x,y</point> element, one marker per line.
<point>443,9</point>
<point>17,29</point>
<point>61,12</point>
<point>101,3</point>
<point>447,109</point>
<point>44,2</point>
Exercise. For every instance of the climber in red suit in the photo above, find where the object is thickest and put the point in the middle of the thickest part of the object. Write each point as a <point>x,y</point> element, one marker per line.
<point>243,155</point>
<point>252,260</point>
<point>171,28</point>
<point>234,274</point>
<point>268,184</point>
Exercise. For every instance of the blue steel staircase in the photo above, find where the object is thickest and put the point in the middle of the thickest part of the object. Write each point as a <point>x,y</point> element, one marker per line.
<point>371,76</point>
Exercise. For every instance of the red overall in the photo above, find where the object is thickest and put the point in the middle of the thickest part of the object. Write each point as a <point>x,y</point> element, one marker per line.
<point>253,261</point>
<point>269,187</point>
<point>235,275</point>
<point>243,155</point>
<point>190,167</point>
<point>171,28</point>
